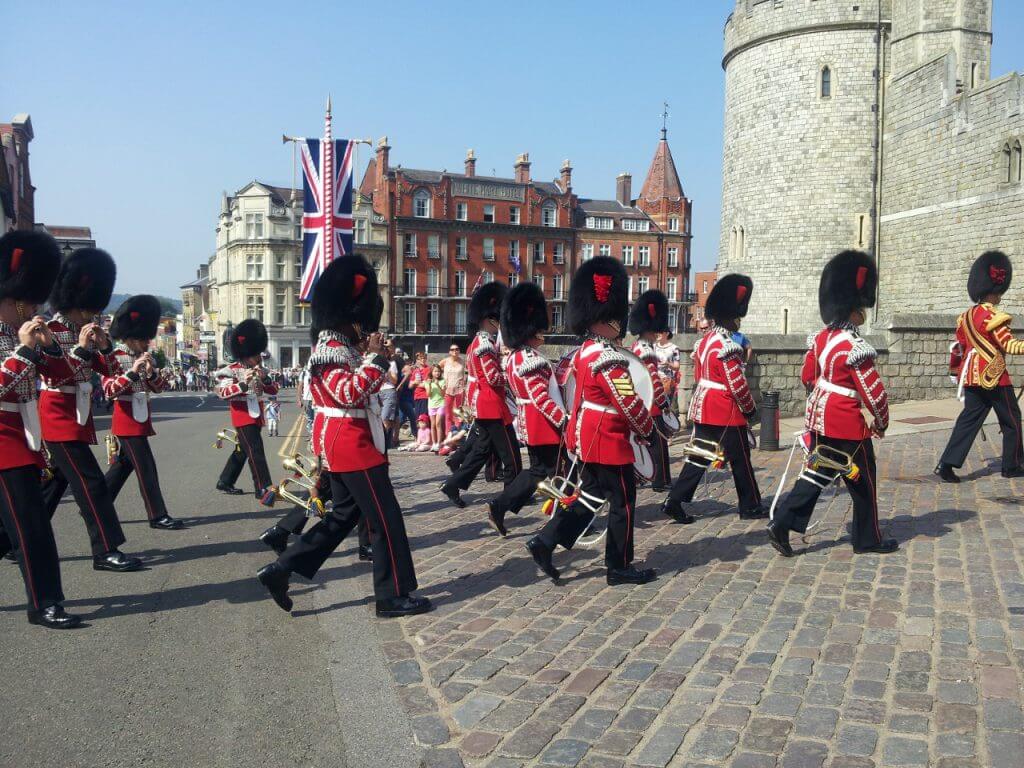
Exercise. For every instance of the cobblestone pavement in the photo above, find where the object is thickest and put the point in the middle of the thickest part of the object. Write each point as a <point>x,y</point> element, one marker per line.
<point>734,656</point>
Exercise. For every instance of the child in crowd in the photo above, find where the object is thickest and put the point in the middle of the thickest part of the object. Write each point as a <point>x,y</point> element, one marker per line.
<point>435,406</point>
<point>423,438</point>
<point>273,415</point>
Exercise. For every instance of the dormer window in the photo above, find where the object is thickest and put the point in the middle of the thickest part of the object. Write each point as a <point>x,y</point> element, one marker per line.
<point>549,215</point>
<point>421,204</point>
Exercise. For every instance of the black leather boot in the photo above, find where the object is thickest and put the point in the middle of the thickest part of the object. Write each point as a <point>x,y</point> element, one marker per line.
<point>275,579</point>
<point>276,538</point>
<point>630,575</point>
<point>778,537</point>
<point>946,473</point>
<point>166,523</point>
<point>54,617</point>
<point>116,561</point>
<point>403,605</point>
<point>541,553</point>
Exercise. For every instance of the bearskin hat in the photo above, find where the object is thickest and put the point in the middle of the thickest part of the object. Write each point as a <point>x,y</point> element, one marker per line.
<point>848,282</point>
<point>650,313</point>
<point>29,262</point>
<point>524,312</point>
<point>598,293</point>
<point>137,318</point>
<point>485,304</point>
<point>85,281</point>
<point>247,339</point>
<point>347,293</point>
<point>991,272</point>
<point>729,299</point>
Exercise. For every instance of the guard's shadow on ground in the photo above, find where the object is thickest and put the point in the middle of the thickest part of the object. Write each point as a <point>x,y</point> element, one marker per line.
<point>903,528</point>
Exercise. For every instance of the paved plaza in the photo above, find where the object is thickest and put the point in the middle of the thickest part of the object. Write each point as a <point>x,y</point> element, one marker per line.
<point>733,657</point>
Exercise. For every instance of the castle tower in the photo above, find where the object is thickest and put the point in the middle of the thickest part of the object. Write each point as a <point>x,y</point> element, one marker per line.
<point>925,29</point>
<point>799,148</point>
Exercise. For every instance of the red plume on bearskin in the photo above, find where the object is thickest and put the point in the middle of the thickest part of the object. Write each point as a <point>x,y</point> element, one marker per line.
<point>992,272</point>
<point>249,338</point>
<point>599,293</point>
<point>29,262</point>
<point>524,312</point>
<point>729,299</point>
<point>137,318</point>
<point>650,313</point>
<point>848,282</point>
<point>485,304</point>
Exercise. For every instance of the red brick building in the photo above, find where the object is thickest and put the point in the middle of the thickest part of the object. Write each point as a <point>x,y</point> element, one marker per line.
<point>448,231</point>
<point>703,282</point>
<point>17,195</point>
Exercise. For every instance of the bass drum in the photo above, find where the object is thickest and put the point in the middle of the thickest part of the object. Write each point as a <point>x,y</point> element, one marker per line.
<point>643,385</point>
<point>671,421</point>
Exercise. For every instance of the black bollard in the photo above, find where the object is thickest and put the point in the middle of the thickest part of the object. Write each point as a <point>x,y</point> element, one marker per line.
<point>770,421</point>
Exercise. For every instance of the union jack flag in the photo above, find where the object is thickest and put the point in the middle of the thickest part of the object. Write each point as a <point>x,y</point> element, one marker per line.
<point>327,187</point>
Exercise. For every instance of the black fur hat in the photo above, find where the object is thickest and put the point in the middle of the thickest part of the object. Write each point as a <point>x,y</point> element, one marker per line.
<point>247,339</point>
<point>991,272</point>
<point>848,282</point>
<point>137,318</point>
<point>598,293</point>
<point>650,313</point>
<point>485,304</point>
<point>29,262</point>
<point>524,312</point>
<point>85,281</point>
<point>347,293</point>
<point>729,299</point>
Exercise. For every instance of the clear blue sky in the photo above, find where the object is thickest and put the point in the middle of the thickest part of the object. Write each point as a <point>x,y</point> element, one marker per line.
<point>145,111</point>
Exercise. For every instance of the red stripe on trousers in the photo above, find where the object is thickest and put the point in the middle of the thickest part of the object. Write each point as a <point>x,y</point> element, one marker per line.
<point>387,533</point>
<point>142,483</point>
<point>629,517</point>
<point>88,496</point>
<point>21,540</point>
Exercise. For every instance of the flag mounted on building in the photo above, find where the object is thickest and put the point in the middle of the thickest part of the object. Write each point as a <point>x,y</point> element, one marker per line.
<point>327,204</point>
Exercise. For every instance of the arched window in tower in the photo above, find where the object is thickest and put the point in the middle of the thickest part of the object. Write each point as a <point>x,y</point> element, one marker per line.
<point>1017,166</point>
<point>732,243</point>
<point>421,204</point>
<point>741,244</point>
<point>1007,163</point>
<point>826,82</point>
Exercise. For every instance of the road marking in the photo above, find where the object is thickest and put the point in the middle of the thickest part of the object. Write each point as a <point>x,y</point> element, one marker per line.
<point>291,443</point>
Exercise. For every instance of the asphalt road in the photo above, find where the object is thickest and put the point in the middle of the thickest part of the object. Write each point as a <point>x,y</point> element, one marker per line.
<point>188,663</point>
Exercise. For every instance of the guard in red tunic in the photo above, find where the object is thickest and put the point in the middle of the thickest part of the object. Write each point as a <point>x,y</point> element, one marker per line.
<point>348,434</point>
<point>486,396</point>
<point>604,415</point>
<point>721,407</point>
<point>243,384</point>
<point>978,364</point>
<point>539,420</point>
<point>134,326</point>
<point>647,319</point>
<point>840,371</point>
<point>82,291</point>
<point>28,264</point>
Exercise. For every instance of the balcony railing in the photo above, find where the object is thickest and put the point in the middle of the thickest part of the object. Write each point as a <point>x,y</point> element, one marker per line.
<point>427,292</point>
<point>399,328</point>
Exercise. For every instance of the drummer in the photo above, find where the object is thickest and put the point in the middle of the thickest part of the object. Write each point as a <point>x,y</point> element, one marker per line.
<point>648,319</point>
<point>721,407</point>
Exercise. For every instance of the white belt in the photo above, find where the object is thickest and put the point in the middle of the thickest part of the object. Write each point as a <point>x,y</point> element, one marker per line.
<point>342,413</point>
<point>371,414</point>
<point>67,390</point>
<point>709,384</point>
<point>83,399</point>
<point>29,411</point>
<point>835,389</point>
<point>589,406</point>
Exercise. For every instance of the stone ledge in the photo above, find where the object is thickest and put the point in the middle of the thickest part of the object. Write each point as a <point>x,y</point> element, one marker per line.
<point>922,321</point>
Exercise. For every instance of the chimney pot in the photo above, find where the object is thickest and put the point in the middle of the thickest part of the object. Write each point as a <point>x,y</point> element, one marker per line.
<point>523,168</point>
<point>470,163</point>
<point>624,189</point>
<point>566,176</point>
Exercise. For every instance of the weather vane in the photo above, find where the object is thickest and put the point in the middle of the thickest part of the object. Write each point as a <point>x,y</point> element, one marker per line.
<point>664,119</point>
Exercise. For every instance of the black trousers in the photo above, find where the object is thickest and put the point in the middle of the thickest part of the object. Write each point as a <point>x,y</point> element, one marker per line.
<point>251,443</point>
<point>737,451</point>
<point>136,455</point>
<point>493,436</point>
<point>295,519</point>
<point>795,513</point>
<point>24,517</point>
<point>977,403</point>
<point>463,449</point>
<point>74,464</point>
<point>364,493</point>
<point>616,485</point>
<point>518,493</point>
<point>659,454</point>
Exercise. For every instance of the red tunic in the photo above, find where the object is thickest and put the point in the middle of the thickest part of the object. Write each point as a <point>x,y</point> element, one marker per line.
<point>130,395</point>
<point>486,390</point>
<point>18,371</point>
<point>983,339</point>
<point>343,385</point>
<point>246,403</point>
<point>722,397</point>
<point>67,389</point>
<point>645,351</point>
<point>539,419</point>
<point>606,410</point>
<point>840,365</point>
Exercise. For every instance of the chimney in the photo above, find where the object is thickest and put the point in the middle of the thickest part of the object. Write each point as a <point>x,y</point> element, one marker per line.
<point>523,168</point>
<point>624,189</point>
<point>470,163</point>
<point>566,176</point>
<point>382,157</point>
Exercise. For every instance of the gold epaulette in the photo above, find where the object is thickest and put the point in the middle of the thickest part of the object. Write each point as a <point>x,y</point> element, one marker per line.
<point>997,320</point>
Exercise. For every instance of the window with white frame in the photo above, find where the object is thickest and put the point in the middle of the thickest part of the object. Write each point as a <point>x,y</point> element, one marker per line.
<point>645,255</point>
<point>488,249</point>
<point>538,252</point>
<point>670,288</point>
<point>643,283</point>
<point>673,223</point>
<point>643,225</point>
<point>513,279</point>
<point>558,253</point>
<point>409,316</point>
<point>409,246</point>
<point>488,276</point>
<point>629,290</point>
<point>253,225</point>
<point>280,266</point>
<point>360,232</point>
<point>488,214</point>
<point>627,255</point>
<point>254,306</point>
<point>461,248</point>
<point>460,282</point>
<point>672,321</point>
<point>599,222</point>
<point>604,250</point>
<point>549,215</point>
<point>538,280</point>
<point>461,211</point>
<point>704,288</point>
<point>280,306</point>
<point>556,286</point>
<point>433,282</point>
<point>588,252</point>
<point>434,246</point>
<point>300,311</point>
<point>513,251</point>
<point>254,266</point>
<point>460,318</point>
<point>410,282</point>
<point>673,256</point>
<point>433,318</point>
<point>421,204</point>
<point>556,317</point>
<point>513,215</point>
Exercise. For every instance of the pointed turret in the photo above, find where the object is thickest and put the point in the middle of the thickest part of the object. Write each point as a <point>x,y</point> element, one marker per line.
<point>662,178</point>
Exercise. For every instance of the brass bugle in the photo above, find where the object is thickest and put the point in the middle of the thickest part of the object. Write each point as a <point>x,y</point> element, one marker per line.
<point>226,435</point>
<point>833,459</point>
<point>302,466</point>
<point>707,451</point>
<point>313,505</point>
<point>113,448</point>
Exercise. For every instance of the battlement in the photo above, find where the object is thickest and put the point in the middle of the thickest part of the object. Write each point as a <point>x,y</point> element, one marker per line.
<point>756,21</point>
